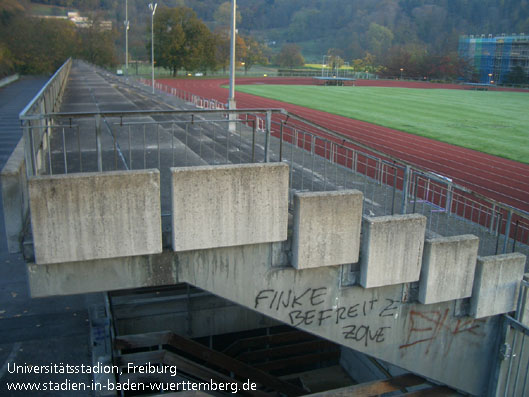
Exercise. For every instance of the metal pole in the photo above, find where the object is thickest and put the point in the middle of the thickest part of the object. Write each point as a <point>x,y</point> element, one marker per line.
<point>98,143</point>
<point>267,136</point>
<point>231,99</point>
<point>281,141</point>
<point>405,188</point>
<point>152,50</point>
<point>152,7</point>
<point>507,232</point>
<point>232,52</point>
<point>127,38</point>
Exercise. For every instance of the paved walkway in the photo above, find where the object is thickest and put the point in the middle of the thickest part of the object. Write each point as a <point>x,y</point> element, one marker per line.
<point>34,331</point>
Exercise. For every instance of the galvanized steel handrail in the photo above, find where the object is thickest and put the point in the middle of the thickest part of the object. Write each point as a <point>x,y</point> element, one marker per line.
<point>46,101</point>
<point>135,113</point>
<point>59,77</point>
<point>344,139</point>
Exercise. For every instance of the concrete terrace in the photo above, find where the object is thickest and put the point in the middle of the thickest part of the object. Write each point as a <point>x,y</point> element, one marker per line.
<point>146,191</point>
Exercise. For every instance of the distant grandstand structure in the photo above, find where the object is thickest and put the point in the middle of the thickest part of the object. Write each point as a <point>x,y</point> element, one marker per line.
<point>494,57</point>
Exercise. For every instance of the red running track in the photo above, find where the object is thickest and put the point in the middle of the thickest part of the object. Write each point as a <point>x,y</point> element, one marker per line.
<point>503,180</point>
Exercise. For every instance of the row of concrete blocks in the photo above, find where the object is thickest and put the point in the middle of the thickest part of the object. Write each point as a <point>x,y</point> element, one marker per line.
<point>81,217</point>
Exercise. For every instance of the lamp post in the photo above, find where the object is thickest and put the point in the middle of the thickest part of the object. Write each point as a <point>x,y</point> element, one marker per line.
<point>126,38</point>
<point>152,7</point>
<point>401,70</point>
<point>490,78</point>
<point>231,99</point>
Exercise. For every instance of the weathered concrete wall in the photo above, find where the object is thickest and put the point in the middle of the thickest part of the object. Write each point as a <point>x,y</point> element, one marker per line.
<point>496,284</point>
<point>392,249</point>
<point>9,79</point>
<point>98,275</point>
<point>221,206</point>
<point>448,267</point>
<point>15,197</point>
<point>89,216</point>
<point>432,340</point>
<point>437,340</point>
<point>326,228</point>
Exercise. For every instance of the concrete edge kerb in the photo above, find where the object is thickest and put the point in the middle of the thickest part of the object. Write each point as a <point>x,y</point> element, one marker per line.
<point>502,257</point>
<point>392,218</point>
<point>199,168</point>
<point>345,192</point>
<point>15,160</point>
<point>450,239</point>
<point>87,175</point>
<point>9,79</point>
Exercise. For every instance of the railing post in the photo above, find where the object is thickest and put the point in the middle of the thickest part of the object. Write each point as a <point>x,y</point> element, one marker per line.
<point>449,199</point>
<point>507,232</point>
<point>280,141</point>
<point>98,143</point>
<point>394,191</point>
<point>405,188</point>
<point>253,139</point>
<point>493,215</point>
<point>267,136</point>
<point>31,170</point>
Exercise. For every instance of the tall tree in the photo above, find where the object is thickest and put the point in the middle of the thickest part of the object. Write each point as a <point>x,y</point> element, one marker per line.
<point>379,38</point>
<point>97,44</point>
<point>181,40</point>
<point>290,56</point>
<point>254,54</point>
<point>40,46</point>
<point>222,15</point>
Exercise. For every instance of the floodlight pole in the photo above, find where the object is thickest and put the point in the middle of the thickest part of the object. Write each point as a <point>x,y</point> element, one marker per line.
<point>152,7</point>
<point>231,99</point>
<point>127,38</point>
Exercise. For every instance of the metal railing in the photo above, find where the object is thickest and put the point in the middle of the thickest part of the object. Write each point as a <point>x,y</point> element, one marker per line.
<point>46,101</point>
<point>320,159</point>
<point>513,379</point>
<point>501,227</point>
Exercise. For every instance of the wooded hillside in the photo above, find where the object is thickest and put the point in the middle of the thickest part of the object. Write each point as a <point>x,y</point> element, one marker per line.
<point>353,26</point>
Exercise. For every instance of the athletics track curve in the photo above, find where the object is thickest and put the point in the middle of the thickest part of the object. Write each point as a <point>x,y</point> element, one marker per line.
<point>500,179</point>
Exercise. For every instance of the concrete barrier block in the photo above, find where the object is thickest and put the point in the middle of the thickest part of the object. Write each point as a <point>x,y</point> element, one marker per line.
<point>496,284</point>
<point>326,228</point>
<point>448,267</point>
<point>15,197</point>
<point>229,205</point>
<point>392,249</point>
<point>87,216</point>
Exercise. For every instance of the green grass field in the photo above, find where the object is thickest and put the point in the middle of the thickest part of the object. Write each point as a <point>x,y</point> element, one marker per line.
<point>488,121</point>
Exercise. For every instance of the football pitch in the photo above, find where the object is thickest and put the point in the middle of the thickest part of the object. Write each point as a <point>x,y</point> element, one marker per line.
<point>494,122</point>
